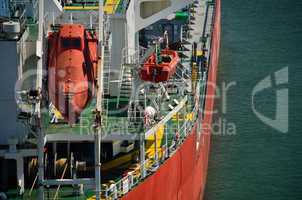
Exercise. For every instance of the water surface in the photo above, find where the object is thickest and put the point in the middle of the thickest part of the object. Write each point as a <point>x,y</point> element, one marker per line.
<point>259,38</point>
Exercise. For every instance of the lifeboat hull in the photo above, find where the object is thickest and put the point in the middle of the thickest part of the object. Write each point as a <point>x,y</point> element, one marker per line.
<point>162,72</point>
<point>71,70</point>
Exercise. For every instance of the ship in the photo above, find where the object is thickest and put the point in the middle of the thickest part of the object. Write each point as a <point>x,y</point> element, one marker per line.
<point>107,99</point>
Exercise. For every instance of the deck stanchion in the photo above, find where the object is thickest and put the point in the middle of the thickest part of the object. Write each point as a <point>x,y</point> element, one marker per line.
<point>41,164</point>
<point>97,164</point>
<point>37,104</point>
<point>142,155</point>
<point>156,149</point>
<point>98,129</point>
<point>166,140</point>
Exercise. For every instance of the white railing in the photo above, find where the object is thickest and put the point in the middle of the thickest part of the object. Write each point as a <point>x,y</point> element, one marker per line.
<point>130,56</point>
<point>124,185</point>
<point>152,164</point>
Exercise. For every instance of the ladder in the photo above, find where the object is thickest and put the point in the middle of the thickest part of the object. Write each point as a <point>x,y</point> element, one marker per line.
<point>106,73</point>
<point>125,84</point>
<point>106,77</point>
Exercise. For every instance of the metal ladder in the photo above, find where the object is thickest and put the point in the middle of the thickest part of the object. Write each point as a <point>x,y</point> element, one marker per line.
<point>106,74</point>
<point>106,77</point>
<point>129,62</point>
<point>125,84</point>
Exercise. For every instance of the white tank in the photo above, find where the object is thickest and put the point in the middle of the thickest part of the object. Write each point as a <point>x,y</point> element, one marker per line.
<point>150,112</point>
<point>11,27</point>
<point>149,116</point>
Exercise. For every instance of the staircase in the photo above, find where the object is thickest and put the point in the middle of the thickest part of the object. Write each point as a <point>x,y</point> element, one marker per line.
<point>125,84</point>
<point>106,74</point>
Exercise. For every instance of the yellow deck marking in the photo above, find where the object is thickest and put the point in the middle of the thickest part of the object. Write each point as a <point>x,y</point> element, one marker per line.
<point>150,144</point>
<point>111,6</point>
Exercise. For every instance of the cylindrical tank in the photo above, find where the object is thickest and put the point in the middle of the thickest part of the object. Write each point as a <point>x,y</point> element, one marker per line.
<point>11,27</point>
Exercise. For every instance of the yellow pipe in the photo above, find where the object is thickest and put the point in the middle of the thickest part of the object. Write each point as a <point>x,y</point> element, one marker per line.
<point>79,8</point>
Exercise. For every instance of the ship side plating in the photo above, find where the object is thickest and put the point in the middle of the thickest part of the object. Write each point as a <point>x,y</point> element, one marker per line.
<point>139,124</point>
<point>183,175</point>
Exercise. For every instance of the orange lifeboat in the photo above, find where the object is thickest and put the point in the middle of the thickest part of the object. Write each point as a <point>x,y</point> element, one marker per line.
<point>155,71</point>
<point>72,62</point>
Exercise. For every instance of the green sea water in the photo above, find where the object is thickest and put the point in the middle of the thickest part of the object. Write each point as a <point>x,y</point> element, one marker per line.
<point>259,37</point>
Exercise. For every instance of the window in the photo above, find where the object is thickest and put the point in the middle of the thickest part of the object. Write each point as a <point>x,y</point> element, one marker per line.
<point>74,43</point>
<point>149,8</point>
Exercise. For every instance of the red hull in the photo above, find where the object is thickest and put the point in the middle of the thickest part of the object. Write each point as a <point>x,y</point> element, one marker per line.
<point>183,176</point>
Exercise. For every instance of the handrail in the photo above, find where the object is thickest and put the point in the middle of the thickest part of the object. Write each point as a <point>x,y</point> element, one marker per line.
<point>126,183</point>
<point>167,117</point>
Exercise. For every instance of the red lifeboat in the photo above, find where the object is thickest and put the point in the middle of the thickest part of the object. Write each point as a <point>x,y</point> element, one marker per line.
<point>72,62</point>
<point>160,72</point>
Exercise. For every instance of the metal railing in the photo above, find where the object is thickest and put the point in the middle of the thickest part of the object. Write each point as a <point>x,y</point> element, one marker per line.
<point>130,56</point>
<point>122,186</point>
<point>175,124</point>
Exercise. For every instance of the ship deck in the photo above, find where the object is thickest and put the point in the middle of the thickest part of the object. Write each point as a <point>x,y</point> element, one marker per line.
<point>116,126</point>
<point>160,139</point>
<point>110,6</point>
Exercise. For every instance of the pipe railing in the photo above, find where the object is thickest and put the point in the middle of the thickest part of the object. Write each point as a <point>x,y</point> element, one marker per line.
<point>126,183</point>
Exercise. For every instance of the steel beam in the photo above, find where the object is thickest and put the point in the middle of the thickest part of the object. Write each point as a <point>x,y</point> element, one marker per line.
<point>55,182</point>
